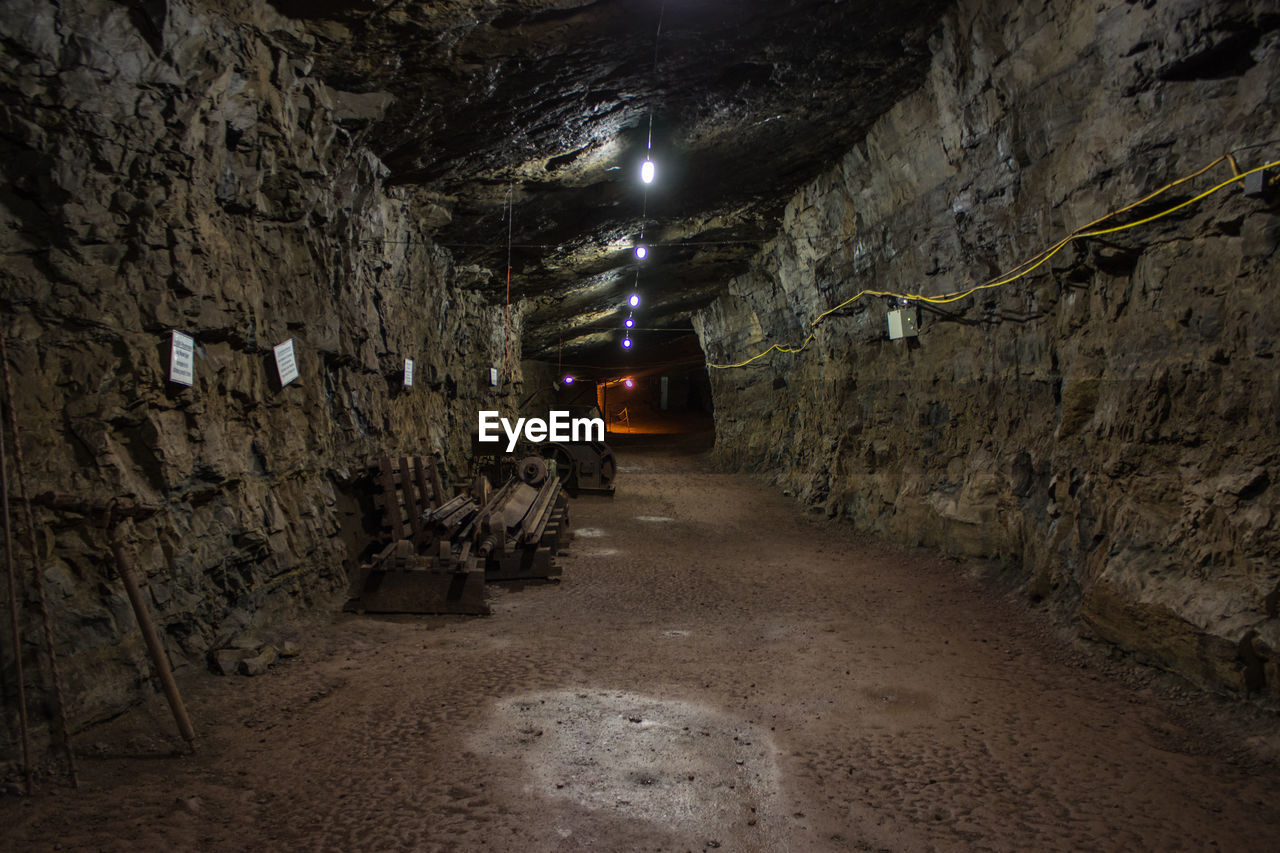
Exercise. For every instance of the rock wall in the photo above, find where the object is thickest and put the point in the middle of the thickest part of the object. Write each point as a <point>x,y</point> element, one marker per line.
<point>169,166</point>
<point>1106,426</point>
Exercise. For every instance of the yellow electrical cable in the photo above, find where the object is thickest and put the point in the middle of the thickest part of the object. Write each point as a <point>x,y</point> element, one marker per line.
<point>778,347</point>
<point>1035,261</point>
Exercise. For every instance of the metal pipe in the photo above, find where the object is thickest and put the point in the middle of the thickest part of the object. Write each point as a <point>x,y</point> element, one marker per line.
<point>47,622</point>
<point>13,615</point>
<point>149,635</point>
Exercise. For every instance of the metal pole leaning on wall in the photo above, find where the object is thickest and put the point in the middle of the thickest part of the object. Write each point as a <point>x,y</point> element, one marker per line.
<point>148,628</point>
<point>13,614</point>
<point>39,572</point>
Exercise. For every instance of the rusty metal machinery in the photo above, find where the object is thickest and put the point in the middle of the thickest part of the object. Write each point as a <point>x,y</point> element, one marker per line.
<point>586,466</point>
<point>420,570</point>
<point>442,551</point>
<point>400,580</point>
<point>581,466</point>
<point>523,525</point>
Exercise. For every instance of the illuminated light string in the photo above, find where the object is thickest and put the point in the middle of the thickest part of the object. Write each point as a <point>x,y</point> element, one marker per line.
<point>1034,262</point>
<point>630,322</point>
<point>648,171</point>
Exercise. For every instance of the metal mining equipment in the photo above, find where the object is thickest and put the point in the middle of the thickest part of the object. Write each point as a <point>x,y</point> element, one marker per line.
<point>442,550</point>
<point>582,466</point>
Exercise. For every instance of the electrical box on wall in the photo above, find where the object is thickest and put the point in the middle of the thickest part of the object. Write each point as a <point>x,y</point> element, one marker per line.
<point>904,323</point>
<point>1258,184</point>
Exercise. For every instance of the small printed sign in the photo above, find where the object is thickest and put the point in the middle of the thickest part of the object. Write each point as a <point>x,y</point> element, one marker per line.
<point>408,373</point>
<point>286,364</point>
<point>493,376</point>
<point>182,365</point>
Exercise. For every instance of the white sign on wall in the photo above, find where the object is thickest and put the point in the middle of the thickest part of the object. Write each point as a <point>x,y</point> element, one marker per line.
<point>286,364</point>
<point>182,364</point>
<point>408,373</point>
<point>493,376</point>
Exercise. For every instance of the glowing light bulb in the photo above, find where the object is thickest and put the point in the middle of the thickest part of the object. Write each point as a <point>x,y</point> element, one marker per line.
<point>629,323</point>
<point>628,383</point>
<point>626,343</point>
<point>634,300</point>
<point>647,171</point>
<point>568,380</point>
<point>641,252</point>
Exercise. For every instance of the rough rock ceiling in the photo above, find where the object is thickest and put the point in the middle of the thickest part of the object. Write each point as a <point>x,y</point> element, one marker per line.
<point>549,102</point>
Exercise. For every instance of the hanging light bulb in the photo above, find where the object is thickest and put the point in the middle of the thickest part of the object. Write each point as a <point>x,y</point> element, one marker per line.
<point>568,380</point>
<point>647,171</point>
<point>629,323</point>
<point>641,252</point>
<point>634,300</point>
<point>628,382</point>
<point>626,343</point>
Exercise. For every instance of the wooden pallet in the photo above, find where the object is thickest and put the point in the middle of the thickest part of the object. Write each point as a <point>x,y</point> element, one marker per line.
<point>400,580</point>
<point>410,486</point>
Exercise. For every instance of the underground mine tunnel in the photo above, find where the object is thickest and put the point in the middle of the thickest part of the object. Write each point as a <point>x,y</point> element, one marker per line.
<point>922,362</point>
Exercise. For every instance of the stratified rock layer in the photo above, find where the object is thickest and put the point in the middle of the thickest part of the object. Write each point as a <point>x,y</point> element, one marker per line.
<point>1106,425</point>
<point>167,169</point>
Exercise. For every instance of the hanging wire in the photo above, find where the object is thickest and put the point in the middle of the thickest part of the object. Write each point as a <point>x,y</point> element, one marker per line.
<point>506,311</point>
<point>618,245</point>
<point>683,362</point>
<point>662,10</point>
<point>644,202</point>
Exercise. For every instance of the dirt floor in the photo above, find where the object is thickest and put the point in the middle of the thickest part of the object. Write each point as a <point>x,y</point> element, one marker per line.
<point>715,670</point>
